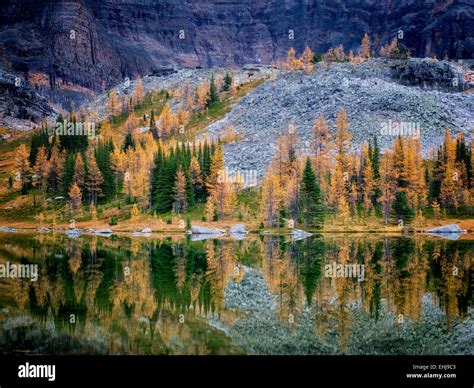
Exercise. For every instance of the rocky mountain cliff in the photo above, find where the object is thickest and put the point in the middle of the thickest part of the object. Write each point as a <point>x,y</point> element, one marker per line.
<point>83,45</point>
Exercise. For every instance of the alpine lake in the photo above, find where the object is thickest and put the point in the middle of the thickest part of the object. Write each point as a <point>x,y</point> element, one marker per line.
<point>265,294</point>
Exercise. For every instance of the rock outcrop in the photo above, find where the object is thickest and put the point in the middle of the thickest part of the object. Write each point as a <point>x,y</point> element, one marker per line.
<point>21,107</point>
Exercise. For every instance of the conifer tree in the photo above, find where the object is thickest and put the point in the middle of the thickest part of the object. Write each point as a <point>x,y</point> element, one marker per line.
<point>40,138</point>
<point>213,96</point>
<point>227,82</point>
<point>103,158</point>
<point>113,103</point>
<point>368,181</point>
<point>322,147</point>
<point>272,198</point>
<point>41,168</point>
<point>153,128</point>
<point>138,93</point>
<point>216,182</point>
<point>180,192</point>
<point>164,194</point>
<point>374,157</point>
<point>75,197</point>
<point>210,210</point>
<point>202,94</point>
<point>451,185</point>
<point>216,171</point>
<point>196,179</point>
<point>68,174</point>
<point>190,195</point>
<point>79,172</point>
<point>22,167</point>
<point>311,206</point>
<point>340,182</point>
<point>388,185</point>
<point>134,213</point>
<point>94,180</point>
<point>364,51</point>
<point>402,209</point>
<point>129,142</point>
<point>307,59</point>
<point>56,168</point>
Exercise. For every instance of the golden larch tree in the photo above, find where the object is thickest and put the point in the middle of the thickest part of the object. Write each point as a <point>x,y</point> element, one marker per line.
<point>41,168</point>
<point>22,165</point>
<point>364,51</point>
<point>180,192</point>
<point>75,197</point>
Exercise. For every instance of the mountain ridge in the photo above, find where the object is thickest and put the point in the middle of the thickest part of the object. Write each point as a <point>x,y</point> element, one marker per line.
<point>96,46</point>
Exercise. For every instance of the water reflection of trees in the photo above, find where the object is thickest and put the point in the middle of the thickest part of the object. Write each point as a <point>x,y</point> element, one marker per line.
<point>401,274</point>
<point>157,296</point>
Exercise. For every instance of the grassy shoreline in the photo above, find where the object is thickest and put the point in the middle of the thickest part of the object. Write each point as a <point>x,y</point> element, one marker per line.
<point>158,227</point>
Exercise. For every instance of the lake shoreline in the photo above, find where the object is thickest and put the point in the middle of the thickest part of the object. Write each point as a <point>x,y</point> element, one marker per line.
<point>135,232</point>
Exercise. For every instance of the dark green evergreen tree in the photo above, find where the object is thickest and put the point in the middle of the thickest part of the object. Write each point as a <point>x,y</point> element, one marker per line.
<point>103,158</point>
<point>227,82</point>
<point>68,174</point>
<point>213,96</point>
<point>310,204</point>
<point>40,138</point>
<point>153,128</point>
<point>401,208</point>
<point>190,196</point>
<point>128,142</point>
<point>73,136</point>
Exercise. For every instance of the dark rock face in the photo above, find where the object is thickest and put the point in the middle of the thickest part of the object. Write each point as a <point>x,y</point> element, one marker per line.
<point>429,72</point>
<point>20,105</point>
<point>95,44</point>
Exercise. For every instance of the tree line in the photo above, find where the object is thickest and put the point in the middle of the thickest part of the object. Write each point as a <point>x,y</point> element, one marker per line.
<point>340,182</point>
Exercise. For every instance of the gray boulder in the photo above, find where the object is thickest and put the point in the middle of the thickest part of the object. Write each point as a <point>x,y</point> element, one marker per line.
<point>449,232</point>
<point>239,229</point>
<point>298,234</point>
<point>73,233</point>
<point>452,228</point>
<point>7,229</point>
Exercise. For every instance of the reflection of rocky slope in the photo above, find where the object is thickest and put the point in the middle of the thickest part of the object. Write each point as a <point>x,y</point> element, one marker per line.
<point>258,330</point>
<point>372,94</point>
<point>114,39</point>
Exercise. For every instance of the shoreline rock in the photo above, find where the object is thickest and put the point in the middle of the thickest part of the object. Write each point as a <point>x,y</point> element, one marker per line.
<point>7,229</point>
<point>73,233</point>
<point>449,232</point>
<point>298,234</point>
<point>451,228</point>
<point>238,231</point>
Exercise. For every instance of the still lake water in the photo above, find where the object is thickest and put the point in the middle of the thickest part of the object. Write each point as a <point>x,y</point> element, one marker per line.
<point>331,294</point>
